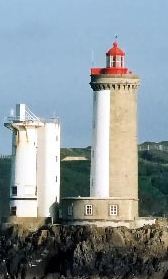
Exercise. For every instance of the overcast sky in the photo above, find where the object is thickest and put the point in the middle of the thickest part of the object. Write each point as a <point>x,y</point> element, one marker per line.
<point>46,51</point>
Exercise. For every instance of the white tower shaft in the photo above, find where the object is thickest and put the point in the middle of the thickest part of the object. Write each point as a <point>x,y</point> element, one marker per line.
<point>48,173</point>
<point>23,182</point>
<point>99,184</point>
<point>23,190</point>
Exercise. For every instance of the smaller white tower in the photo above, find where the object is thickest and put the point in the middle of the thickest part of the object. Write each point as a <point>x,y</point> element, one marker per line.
<point>35,178</point>
<point>23,188</point>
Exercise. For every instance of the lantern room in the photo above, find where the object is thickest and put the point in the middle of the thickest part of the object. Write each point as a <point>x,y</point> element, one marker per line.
<point>115,57</point>
<point>115,63</point>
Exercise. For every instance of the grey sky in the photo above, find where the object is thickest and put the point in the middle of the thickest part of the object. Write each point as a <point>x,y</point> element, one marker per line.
<point>45,56</point>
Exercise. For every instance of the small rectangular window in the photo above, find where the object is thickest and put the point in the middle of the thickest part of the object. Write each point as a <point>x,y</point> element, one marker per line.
<point>14,190</point>
<point>113,62</point>
<point>56,179</point>
<point>89,209</point>
<point>56,138</point>
<point>60,213</point>
<point>56,158</point>
<point>113,210</point>
<point>92,182</point>
<point>13,211</point>
<point>70,210</point>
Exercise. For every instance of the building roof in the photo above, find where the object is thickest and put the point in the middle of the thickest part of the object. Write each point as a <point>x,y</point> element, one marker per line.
<point>115,50</point>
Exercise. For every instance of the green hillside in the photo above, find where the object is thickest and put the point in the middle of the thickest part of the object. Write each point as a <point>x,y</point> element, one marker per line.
<point>153,182</point>
<point>5,169</point>
<point>75,176</point>
<point>153,177</point>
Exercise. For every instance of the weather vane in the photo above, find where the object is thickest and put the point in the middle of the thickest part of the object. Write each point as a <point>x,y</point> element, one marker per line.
<point>116,36</point>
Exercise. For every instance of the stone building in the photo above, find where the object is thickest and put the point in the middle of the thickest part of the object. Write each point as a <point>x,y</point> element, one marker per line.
<point>114,159</point>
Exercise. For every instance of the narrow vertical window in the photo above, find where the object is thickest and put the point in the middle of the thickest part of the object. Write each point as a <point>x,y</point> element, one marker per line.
<point>114,62</point>
<point>70,210</point>
<point>13,211</point>
<point>60,213</point>
<point>14,190</point>
<point>122,64</point>
<point>92,182</point>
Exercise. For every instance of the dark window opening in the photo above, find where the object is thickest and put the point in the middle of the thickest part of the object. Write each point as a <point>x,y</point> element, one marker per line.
<point>13,211</point>
<point>14,190</point>
<point>114,61</point>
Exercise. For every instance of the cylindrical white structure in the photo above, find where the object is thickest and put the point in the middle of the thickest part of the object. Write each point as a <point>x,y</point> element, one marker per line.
<point>35,179</point>
<point>23,190</point>
<point>48,171</point>
<point>114,161</point>
<point>99,181</point>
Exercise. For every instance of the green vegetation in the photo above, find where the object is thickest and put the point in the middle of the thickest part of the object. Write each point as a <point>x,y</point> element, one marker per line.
<point>75,176</point>
<point>153,177</point>
<point>5,169</point>
<point>153,182</point>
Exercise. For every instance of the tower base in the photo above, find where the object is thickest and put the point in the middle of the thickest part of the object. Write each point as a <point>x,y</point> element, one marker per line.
<point>93,209</point>
<point>104,212</point>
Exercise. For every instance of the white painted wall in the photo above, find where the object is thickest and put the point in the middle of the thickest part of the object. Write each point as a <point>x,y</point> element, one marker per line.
<point>48,167</point>
<point>30,205</point>
<point>24,151</point>
<point>99,182</point>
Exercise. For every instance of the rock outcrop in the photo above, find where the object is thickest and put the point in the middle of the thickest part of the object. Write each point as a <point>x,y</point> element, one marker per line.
<point>85,252</point>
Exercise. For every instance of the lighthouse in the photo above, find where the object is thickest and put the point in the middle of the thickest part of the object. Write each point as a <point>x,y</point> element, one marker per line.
<point>35,174</point>
<point>114,161</point>
<point>113,199</point>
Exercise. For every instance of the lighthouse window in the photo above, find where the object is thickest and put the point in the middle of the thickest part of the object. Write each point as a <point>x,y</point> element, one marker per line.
<point>113,209</point>
<point>114,62</point>
<point>70,210</point>
<point>56,179</point>
<point>88,209</point>
<point>14,190</point>
<point>13,211</point>
<point>56,158</point>
<point>122,64</point>
<point>60,213</point>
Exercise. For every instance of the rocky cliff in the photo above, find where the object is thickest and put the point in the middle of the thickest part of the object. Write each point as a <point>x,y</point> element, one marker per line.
<point>85,252</point>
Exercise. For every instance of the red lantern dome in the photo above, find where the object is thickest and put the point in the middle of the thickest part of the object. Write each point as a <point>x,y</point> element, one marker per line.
<point>115,64</point>
<point>115,51</point>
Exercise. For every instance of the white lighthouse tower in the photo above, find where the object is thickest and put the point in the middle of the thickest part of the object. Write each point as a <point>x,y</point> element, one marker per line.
<point>114,162</point>
<point>35,177</point>
<point>113,196</point>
